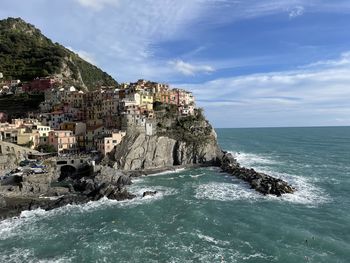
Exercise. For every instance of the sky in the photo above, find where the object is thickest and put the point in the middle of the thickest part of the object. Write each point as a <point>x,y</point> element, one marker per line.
<point>249,63</point>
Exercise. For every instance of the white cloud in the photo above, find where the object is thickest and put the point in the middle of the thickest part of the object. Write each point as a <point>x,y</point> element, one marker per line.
<point>190,69</point>
<point>313,96</point>
<point>89,57</point>
<point>296,11</point>
<point>127,40</point>
<point>342,61</point>
<point>97,4</point>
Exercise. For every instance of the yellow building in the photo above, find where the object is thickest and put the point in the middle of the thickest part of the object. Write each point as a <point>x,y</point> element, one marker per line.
<point>31,139</point>
<point>146,100</point>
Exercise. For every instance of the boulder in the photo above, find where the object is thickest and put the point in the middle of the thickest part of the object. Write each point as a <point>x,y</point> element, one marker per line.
<point>149,193</point>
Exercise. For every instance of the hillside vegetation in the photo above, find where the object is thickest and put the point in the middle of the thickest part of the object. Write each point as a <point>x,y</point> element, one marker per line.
<point>25,53</point>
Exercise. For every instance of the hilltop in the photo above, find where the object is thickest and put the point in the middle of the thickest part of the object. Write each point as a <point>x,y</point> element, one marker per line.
<point>25,53</point>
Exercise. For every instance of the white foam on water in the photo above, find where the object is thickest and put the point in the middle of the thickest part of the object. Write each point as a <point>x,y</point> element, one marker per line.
<point>197,175</point>
<point>27,220</point>
<point>212,240</point>
<point>226,192</point>
<point>174,171</point>
<point>250,160</point>
<point>307,193</point>
<point>162,191</point>
<point>257,255</point>
<point>17,255</point>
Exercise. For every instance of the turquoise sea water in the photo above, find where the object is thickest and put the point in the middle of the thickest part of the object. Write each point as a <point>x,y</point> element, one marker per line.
<point>203,215</point>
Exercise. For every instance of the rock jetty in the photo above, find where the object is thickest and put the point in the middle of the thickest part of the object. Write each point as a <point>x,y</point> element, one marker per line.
<point>261,182</point>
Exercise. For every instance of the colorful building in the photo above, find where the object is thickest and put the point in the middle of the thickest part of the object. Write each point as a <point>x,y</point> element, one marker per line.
<point>105,144</point>
<point>63,141</point>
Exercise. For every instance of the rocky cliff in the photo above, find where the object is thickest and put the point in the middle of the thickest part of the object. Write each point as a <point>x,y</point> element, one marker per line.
<point>139,151</point>
<point>190,141</point>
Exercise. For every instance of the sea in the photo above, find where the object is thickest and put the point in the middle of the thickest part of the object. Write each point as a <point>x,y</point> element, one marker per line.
<point>204,215</point>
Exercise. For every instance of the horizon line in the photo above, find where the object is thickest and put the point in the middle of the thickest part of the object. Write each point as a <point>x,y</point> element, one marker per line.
<point>268,127</point>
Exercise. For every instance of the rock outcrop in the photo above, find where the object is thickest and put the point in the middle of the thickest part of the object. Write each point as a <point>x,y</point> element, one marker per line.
<point>149,193</point>
<point>261,182</point>
<point>42,191</point>
<point>11,154</point>
<point>139,151</point>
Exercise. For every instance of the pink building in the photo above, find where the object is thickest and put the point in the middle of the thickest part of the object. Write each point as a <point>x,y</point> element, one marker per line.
<point>174,97</point>
<point>106,144</point>
<point>63,141</point>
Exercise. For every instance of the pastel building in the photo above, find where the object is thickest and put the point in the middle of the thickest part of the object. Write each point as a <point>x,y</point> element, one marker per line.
<point>79,130</point>
<point>63,141</point>
<point>105,144</point>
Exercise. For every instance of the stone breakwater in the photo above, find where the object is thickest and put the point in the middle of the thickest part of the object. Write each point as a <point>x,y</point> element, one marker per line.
<point>261,182</point>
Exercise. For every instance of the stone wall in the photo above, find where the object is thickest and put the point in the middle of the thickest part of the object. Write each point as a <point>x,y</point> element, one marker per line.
<point>11,154</point>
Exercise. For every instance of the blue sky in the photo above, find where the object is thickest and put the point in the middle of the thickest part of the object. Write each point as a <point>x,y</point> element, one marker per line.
<point>250,63</point>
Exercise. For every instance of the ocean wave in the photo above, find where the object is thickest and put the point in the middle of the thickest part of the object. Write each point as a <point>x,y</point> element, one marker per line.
<point>27,255</point>
<point>250,160</point>
<point>196,175</point>
<point>27,220</point>
<point>212,240</point>
<point>162,191</point>
<point>226,192</point>
<point>306,193</point>
<point>179,170</point>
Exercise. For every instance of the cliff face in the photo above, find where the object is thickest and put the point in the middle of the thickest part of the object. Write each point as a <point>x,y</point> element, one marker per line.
<point>138,151</point>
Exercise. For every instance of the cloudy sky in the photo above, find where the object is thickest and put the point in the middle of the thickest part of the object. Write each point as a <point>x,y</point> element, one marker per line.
<point>250,63</point>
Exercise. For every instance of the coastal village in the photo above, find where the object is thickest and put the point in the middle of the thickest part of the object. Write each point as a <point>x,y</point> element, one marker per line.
<point>77,135</point>
<point>73,121</point>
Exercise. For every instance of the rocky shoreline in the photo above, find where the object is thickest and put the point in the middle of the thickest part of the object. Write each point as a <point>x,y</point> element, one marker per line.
<point>105,183</point>
<point>110,183</point>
